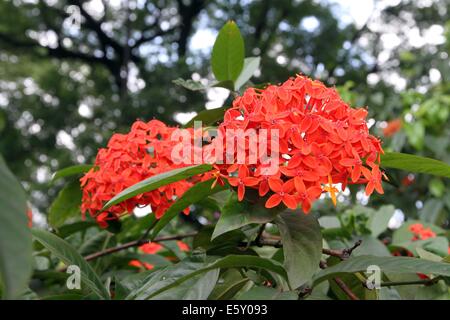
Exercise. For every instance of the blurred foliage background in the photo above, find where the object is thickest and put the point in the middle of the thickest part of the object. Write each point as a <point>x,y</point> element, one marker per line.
<point>72,72</point>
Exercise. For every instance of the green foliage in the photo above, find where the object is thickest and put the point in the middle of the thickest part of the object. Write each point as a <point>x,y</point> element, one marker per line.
<point>15,237</point>
<point>66,205</point>
<point>414,163</point>
<point>70,256</point>
<point>228,53</point>
<point>302,245</point>
<point>228,249</point>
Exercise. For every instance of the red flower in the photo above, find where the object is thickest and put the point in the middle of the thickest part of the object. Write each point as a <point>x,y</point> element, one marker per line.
<point>139,264</point>
<point>374,180</point>
<point>183,246</point>
<point>319,136</point>
<point>392,127</point>
<point>242,180</point>
<point>281,194</point>
<point>151,248</point>
<point>129,158</point>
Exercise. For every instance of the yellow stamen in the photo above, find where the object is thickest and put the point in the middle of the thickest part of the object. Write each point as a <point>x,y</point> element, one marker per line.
<point>332,190</point>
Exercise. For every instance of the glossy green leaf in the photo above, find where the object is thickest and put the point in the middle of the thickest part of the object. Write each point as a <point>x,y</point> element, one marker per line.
<point>157,181</point>
<point>68,254</point>
<point>413,163</point>
<point>208,117</point>
<point>195,194</point>
<point>228,53</point>
<point>198,287</point>
<point>378,221</point>
<point>236,214</point>
<point>66,205</point>
<point>229,285</point>
<point>156,287</point>
<point>15,236</point>
<point>386,264</point>
<point>302,245</point>
<point>71,171</point>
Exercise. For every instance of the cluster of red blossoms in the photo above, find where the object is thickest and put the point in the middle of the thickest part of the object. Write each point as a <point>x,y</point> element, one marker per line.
<point>129,158</point>
<point>322,142</point>
<point>154,248</point>
<point>420,232</point>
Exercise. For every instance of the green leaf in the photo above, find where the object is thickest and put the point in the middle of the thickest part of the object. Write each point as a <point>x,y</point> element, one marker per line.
<point>196,193</point>
<point>266,293</point>
<point>236,214</point>
<point>412,163</point>
<point>208,117</point>
<point>66,205</point>
<point>228,53</point>
<point>302,245</point>
<point>70,256</point>
<point>72,228</point>
<point>386,264</point>
<point>154,287</point>
<point>227,84</point>
<point>431,210</point>
<point>15,236</point>
<point>71,171</point>
<point>190,84</point>
<point>378,221</point>
<point>438,245</point>
<point>157,181</point>
<point>196,288</point>
<point>250,66</point>
<point>369,246</point>
<point>229,285</point>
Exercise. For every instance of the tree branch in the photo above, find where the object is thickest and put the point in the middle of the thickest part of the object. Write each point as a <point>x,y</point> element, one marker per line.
<point>341,284</point>
<point>136,243</point>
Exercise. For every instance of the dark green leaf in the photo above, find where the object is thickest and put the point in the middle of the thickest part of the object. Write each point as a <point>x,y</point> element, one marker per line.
<point>208,117</point>
<point>229,285</point>
<point>386,264</point>
<point>236,214</point>
<point>157,181</point>
<point>70,171</point>
<point>66,205</point>
<point>228,53</point>
<point>412,163</point>
<point>198,287</point>
<point>70,256</point>
<point>72,228</point>
<point>15,236</point>
<point>231,261</point>
<point>302,245</point>
<point>378,221</point>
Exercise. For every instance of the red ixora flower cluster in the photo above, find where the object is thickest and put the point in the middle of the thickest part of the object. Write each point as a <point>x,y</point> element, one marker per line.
<point>322,142</point>
<point>420,232</point>
<point>129,158</point>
